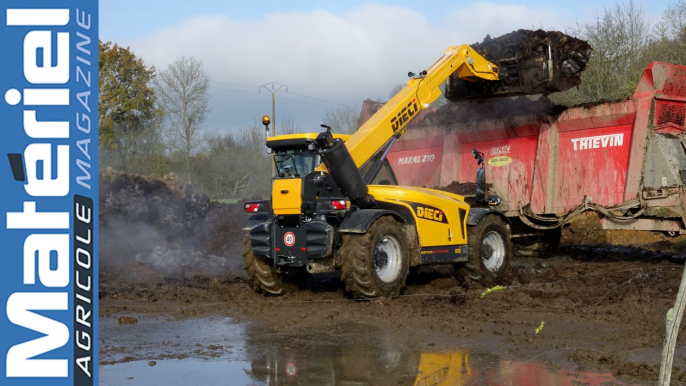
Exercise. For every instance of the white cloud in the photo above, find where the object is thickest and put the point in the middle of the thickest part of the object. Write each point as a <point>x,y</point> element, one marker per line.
<point>343,58</point>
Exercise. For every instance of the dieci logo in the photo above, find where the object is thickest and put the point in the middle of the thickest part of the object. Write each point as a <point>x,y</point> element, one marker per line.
<point>430,213</point>
<point>49,236</point>
<point>404,115</point>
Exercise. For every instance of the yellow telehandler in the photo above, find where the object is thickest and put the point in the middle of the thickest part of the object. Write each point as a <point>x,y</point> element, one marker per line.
<point>335,204</point>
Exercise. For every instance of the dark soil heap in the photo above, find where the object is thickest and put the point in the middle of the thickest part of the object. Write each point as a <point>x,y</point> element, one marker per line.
<point>572,53</point>
<point>163,225</point>
<point>529,63</point>
<point>464,188</point>
<point>460,114</point>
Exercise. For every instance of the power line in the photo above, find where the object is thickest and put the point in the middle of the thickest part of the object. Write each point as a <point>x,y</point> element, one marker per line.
<point>305,103</point>
<point>231,89</point>
<point>288,99</point>
<point>292,93</point>
<point>235,84</point>
<point>281,98</point>
<point>317,99</point>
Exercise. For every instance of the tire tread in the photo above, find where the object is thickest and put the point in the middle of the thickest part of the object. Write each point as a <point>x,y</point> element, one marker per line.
<point>264,279</point>
<point>474,268</point>
<point>357,266</point>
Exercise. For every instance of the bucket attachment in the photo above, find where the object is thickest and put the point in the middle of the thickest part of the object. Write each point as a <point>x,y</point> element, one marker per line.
<point>529,62</point>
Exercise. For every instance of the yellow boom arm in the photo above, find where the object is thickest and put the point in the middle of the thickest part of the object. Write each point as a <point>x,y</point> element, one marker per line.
<point>417,95</point>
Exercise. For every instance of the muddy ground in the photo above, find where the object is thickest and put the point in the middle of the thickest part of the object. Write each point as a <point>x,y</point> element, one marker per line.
<point>602,308</point>
<point>600,312</point>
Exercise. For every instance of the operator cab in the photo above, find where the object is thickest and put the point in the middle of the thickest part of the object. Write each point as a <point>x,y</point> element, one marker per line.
<point>296,155</point>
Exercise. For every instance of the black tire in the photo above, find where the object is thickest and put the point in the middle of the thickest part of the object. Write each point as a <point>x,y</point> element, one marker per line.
<point>361,252</point>
<point>538,246</point>
<point>264,279</point>
<point>479,267</point>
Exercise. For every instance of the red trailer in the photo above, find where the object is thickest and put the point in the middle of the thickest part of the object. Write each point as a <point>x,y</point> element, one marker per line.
<point>625,159</point>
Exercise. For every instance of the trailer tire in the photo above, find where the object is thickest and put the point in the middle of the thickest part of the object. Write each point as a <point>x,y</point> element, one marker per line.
<point>263,278</point>
<point>488,265</point>
<point>538,246</point>
<point>376,263</point>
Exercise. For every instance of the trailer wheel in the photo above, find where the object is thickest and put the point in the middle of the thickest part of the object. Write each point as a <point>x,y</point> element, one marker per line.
<point>264,279</point>
<point>490,250</point>
<point>376,263</point>
<point>538,246</point>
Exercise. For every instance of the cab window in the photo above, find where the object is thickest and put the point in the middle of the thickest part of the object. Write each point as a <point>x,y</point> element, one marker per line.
<point>295,162</point>
<point>385,176</point>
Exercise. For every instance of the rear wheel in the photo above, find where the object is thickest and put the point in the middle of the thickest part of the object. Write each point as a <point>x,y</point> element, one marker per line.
<point>490,250</point>
<point>264,278</point>
<point>376,263</point>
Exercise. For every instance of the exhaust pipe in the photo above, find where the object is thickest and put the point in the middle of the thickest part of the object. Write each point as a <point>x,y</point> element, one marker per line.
<point>342,168</point>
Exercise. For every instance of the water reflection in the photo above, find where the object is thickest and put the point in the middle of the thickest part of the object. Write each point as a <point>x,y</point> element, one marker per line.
<point>218,351</point>
<point>363,366</point>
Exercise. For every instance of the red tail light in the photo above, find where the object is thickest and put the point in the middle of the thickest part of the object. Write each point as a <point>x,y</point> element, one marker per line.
<point>338,204</point>
<point>252,207</point>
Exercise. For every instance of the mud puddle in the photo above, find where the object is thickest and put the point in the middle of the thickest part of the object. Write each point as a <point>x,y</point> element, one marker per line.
<point>365,366</point>
<point>158,337</point>
<point>199,351</point>
<point>356,366</point>
<point>172,372</point>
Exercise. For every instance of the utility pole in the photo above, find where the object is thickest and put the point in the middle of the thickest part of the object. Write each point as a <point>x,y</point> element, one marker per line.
<point>273,88</point>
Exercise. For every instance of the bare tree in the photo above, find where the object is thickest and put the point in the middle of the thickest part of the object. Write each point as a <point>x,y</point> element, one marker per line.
<point>674,19</point>
<point>182,95</point>
<point>620,38</point>
<point>343,119</point>
<point>253,163</point>
<point>288,126</point>
<point>139,147</point>
<point>236,164</point>
<point>670,44</point>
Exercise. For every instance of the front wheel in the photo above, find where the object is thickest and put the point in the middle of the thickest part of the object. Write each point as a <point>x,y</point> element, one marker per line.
<point>490,250</point>
<point>376,263</point>
<point>264,279</point>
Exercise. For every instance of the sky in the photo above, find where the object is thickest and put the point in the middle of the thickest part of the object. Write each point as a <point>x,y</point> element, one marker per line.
<point>327,54</point>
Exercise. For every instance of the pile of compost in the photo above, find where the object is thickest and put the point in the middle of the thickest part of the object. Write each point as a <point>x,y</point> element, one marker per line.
<point>165,226</point>
<point>459,115</point>
<point>529,63</point>
<point>572,53</point>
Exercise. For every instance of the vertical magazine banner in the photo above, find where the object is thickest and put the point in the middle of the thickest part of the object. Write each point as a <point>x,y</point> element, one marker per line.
<point>49,192</point>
